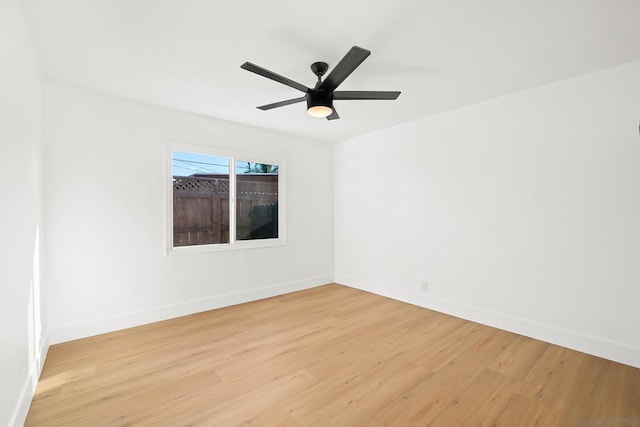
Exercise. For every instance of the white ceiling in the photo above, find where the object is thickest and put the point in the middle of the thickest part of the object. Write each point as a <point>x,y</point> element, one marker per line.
<point>186,54</point>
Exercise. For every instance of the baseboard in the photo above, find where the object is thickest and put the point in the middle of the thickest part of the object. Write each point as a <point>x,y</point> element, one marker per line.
<point>128,320</point>
<point>44,349</point>
<point>24,403</point>
<point>611,350</point>
<point>28,389</point>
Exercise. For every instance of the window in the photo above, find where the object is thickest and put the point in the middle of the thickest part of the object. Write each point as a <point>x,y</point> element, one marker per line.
<point>222,202</point>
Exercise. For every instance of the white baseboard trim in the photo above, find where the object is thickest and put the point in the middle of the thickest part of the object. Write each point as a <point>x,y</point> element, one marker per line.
<point>611,350</point>
<point>44,350</point>
<point>96,327</point>
<point>21,409</point>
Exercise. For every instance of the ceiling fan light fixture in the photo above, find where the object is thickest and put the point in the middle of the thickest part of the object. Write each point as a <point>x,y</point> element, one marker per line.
<point>319,111</point>
<point>320,97</point>
<point>319,103</point>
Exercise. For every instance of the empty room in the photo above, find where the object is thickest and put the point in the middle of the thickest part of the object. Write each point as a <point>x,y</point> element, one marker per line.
<point>360,213</point>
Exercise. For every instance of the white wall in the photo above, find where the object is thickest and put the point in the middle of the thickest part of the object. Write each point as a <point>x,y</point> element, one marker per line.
<point>105,197</point>
<point>20,216</point>
<point>522,212</point>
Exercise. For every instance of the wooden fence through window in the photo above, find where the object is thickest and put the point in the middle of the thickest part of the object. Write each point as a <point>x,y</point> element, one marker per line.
<point>201,208</point>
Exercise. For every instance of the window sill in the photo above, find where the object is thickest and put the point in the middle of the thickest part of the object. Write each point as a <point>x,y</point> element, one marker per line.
<point>225,247</point>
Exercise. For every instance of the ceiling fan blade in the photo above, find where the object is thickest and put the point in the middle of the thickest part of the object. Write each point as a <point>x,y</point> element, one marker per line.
<point>350,62</point>
<point>333,115</point>
<point>274,76</point>
<point>282,103</point>
<point>365,94</point>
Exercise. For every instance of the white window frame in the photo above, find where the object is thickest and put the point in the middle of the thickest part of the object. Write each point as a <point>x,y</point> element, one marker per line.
<point>233,244</point>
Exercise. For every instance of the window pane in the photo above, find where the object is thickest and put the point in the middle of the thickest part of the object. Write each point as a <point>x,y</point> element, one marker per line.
<point>200,199</point>
<point>256,201</point>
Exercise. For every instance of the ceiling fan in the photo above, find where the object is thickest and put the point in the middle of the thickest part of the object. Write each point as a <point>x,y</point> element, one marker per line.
<point>320,98</point>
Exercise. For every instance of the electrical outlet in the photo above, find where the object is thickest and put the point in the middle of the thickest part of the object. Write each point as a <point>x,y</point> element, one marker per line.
<point>425,286</point>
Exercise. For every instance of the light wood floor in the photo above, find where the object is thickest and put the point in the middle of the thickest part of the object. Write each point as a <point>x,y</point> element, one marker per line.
<point>329,356</point>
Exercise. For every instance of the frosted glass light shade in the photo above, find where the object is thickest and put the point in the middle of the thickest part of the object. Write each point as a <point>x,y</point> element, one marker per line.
<point>319,111</point>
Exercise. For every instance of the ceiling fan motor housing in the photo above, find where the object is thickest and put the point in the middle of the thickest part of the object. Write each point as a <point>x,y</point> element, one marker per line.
<point>316,98</point>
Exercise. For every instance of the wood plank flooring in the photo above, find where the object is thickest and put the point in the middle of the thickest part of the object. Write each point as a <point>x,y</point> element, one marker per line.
<point>328,356</point>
